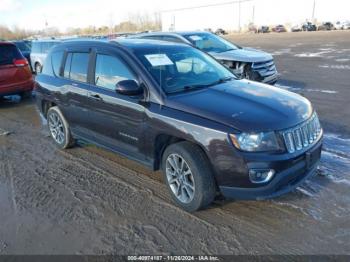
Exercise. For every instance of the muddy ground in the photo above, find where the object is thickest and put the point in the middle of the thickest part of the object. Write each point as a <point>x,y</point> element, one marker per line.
<point>89,201</point>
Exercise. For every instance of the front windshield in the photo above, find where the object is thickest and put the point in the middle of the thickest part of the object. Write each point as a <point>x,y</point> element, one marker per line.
<point>22,46</point>
<point>182,68</point>
<point>210,42</point>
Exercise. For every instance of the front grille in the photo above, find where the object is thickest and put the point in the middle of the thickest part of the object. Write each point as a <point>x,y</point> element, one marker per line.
<point>265,69</point>
<point>303,135</point>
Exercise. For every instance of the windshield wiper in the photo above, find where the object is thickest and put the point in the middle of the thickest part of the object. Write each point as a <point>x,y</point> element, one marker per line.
<point>200,86</point>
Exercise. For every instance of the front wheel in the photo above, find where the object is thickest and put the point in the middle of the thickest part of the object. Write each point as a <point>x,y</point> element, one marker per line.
<point>188,176</point>
<point>59,128</point>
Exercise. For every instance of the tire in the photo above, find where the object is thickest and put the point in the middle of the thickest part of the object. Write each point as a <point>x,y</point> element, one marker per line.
<point>200,178</point>
<point>38,68</point>
<point>59,128</point>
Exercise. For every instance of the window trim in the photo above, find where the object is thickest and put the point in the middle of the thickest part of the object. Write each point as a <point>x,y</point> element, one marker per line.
<point>114,54</point>
<point>63,65</point>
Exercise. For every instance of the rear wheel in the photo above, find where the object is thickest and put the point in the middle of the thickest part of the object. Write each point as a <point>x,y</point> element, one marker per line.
<point>59,128</point>
<point>188,176</point>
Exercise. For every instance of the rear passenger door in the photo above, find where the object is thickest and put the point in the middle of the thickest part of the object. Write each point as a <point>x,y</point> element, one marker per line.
<point>116,119</point>
<point>75,88</point>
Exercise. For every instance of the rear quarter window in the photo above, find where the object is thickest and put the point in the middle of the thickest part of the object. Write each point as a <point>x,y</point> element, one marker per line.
<point>76,67</point>
<point>8,53</point>
<point>52,64</point>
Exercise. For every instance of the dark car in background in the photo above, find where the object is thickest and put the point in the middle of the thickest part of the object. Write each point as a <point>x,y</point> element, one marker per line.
<point>279,29</point>
<point>245,62</point>
<point>264,29</point>
<point>326,26</point>
<point>308,26</point>
<point>173,107</point>
<point>24,48</point>
<point>39,51</point>
<point>15,74</point>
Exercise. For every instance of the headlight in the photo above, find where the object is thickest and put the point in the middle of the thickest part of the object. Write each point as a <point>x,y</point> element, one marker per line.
<point>255,142</point>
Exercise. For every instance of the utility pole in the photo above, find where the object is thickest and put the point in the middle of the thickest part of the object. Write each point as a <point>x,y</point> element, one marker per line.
<point>313,11</point>
<point>239,15</point>
<point>253,16</point>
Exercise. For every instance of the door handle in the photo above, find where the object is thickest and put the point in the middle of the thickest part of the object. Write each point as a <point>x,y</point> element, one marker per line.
<point>95,97</point>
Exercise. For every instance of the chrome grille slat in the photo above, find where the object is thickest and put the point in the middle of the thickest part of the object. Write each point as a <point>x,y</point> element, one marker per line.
<point>265,68</point>
<point>303,135</point>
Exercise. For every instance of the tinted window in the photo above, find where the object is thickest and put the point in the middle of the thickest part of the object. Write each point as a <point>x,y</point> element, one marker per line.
<point>172,39</point>
<point>8,53</point>
<point>22,46</point>
<point>36,47</point>
<point>153,37</point>
<point>110,70</point>
<point>210,43</point>
<point>76,66</point>
<point>56,60</point>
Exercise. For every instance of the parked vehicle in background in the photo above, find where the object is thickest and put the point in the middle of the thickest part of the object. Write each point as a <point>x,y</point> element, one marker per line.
<point>252,28</point>
<point>345,25</point>
<point>246,63</point>
<point>279,29</point>
<point>296,28</point>
<point>264,29</point>
<point>338,25</point>
<point>39,51</point>
<point>175,108</point>
<point>15,74</point>
<point>24,48</point>
<point>326,26</point>
<point>308,26</point>
<point>220,31</point>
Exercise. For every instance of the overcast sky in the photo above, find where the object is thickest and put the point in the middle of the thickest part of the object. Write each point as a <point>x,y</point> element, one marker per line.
<point>63,14</point>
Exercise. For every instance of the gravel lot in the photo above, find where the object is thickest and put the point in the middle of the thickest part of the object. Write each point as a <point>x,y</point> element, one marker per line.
<point>89,201</point>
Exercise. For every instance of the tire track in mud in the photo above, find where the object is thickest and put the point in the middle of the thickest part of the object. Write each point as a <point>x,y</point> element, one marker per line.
<point>48,191</point>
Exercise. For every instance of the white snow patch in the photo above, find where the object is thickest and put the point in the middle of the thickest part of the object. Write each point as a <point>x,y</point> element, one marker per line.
<point>346,67</point>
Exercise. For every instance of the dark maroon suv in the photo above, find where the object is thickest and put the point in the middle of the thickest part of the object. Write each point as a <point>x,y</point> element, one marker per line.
<point>173,107</point>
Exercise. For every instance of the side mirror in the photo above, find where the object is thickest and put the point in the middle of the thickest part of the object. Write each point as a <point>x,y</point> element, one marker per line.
<point>128,88</point>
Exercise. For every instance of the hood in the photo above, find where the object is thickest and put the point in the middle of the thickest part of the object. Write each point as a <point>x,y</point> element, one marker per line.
<point>246,106</point>
<point>243,55</point>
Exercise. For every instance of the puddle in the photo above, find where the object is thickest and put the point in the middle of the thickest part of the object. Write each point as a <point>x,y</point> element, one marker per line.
<point>335,160</point>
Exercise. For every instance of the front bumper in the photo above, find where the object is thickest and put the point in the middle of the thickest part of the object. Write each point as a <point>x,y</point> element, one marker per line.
<point>271,79</point>
<point>283,182</point>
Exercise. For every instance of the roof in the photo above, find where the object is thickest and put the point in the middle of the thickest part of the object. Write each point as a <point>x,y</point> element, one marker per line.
<point>129,43</point>
<point>181,33</point>
<point>6,43</point>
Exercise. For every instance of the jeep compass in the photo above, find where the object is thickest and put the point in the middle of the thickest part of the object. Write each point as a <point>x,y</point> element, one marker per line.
<point>173,107</point>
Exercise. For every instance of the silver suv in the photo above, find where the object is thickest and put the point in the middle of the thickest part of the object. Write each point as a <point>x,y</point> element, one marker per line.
<point>40,49</point>
<point>244,62</point>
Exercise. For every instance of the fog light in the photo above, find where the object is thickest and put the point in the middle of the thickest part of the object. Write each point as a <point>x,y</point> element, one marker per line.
<point>258,176</point>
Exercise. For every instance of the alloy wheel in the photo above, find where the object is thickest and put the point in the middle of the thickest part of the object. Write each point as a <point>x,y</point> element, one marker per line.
<point>180,178</point>
<point>56,128</point>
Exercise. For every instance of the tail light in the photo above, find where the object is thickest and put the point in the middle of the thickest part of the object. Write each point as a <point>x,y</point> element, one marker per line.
<point>20,62</point>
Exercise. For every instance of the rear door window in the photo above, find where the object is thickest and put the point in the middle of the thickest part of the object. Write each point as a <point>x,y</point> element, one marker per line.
<point>76,67</point>
<point>8,53</point>
<point>110,70</point>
